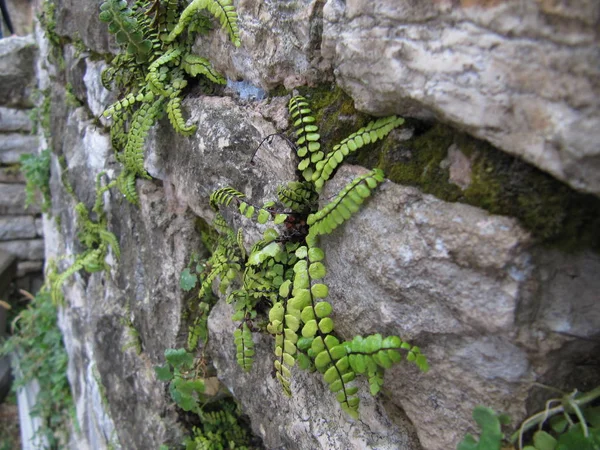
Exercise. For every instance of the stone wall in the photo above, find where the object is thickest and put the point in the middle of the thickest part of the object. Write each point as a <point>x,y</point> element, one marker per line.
<point>20,228</point>
<point>495,304</point>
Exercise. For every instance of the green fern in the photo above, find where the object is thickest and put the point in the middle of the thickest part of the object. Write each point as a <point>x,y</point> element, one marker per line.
<point>345,203</point>
<point>244,347</point>
<point>315,165</point>
<point>94,236</point>
<point>221,9</point>
<point>153,70</point>
<point>123,24</point>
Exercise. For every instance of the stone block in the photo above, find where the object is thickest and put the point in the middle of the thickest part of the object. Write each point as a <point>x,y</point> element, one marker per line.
<point>27,267</point>
<point>8,270</point>
<point>25,249</point>
<point>12,200</point>
<point>17,71</point>
<point>13,145</point>
<point>522,75</point>
<point>17,227</point>
<point>14,120</point>
<point>11,175</point>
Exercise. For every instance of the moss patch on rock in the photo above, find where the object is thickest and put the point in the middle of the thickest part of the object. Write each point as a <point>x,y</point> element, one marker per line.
<point>554,213</point>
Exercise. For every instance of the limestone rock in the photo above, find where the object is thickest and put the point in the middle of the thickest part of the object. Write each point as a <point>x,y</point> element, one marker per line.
<point>13,145</point>
<point>11,175</point>
<point>17,75</point>
<point>24,249</point>
<point>75,18</point>
<point>113,384</point>
<point>281,44</point>
<point>219,154</point>
<point>522,75</point>
<point>455,281</point>
<point>12,200</point>
<point>17,227</point>
<point>14,120</point>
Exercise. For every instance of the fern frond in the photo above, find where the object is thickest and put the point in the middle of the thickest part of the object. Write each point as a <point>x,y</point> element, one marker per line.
<point>126,103</point>
<point>297,196</point>
<point>143,119</point>
<point>176,118</point>
<point>126,185</point>
<point>374,131</point>
<point>224,10</point>
<point>244,347</point>
<point>111,240</point>
<point>284,326</point>
<point>172,55</point>
<point>56,287</point>
<point>373,354</point>
<point>221,9</point>
<point>194,65</point>
<point>156,81</point>
<point>225,196</point>
<point>307,136</point>
<point>123,24</point>
<point>346,203</point>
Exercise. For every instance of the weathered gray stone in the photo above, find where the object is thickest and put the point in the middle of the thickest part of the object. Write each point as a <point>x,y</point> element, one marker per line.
<point>220,152</point>
<point>412,265</point>
<point>281,45</point>
<point>14,119</point>
<point>27,267</point>
<point>8,270</point>
<point>21,16</point>
<point>98,97</point>
<point>75,18</point>
<point>522,75</point>
<point>11,175</point>
<point>17,76</point>
<point>12,200</point>
<point>28,249</point>
<point>13,145</point>
<point>17,227</point>
<point>39,226</point>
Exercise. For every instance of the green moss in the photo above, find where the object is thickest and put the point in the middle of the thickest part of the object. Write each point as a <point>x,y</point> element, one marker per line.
<point>555,214</point>
<point>418,161</point>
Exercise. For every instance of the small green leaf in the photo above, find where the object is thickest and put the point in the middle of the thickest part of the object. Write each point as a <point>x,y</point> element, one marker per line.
<point>187,280</point>
<point>163,373</point>
<point>326,325</point>
<point>544,441</point>
<point>323,309</point>
<point>319,290</point>
<point>263,216</point>
<point>179,358</point>
<point>317,271</point>
<point>309,329</point>
<point>315,254</point>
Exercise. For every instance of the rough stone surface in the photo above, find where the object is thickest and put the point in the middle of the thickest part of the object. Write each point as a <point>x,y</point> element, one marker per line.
<point>493,311</point>
<point>520,74</point>
<point>28,267</point>
<point>14,120</point>
<point>13,145</point>
<point>17,227</point>
<point>25,248</point>
<point>11,175</point>
<point>75,18</point>
<point>112,385</point>
<point>12,200</point>
<point>17,56</point>
<point>281,44</point>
